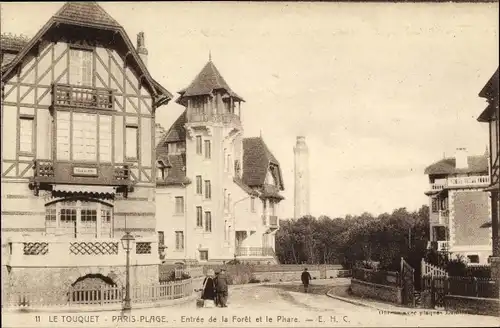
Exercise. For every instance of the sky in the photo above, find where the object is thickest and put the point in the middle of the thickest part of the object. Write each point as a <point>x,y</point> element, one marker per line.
<point>380,91</point>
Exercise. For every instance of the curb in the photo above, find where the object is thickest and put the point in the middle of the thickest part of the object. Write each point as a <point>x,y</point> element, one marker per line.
<point>112,308</point>
<point>365,304</point>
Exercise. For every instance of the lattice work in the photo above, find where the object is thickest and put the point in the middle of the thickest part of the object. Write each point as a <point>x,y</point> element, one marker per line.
<point>93,248</point>
<point>143,248</point>
<point>35,248</point>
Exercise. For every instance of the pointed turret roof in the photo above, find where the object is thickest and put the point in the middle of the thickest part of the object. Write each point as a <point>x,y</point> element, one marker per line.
<point>87,13</point>
<point>206,81</point>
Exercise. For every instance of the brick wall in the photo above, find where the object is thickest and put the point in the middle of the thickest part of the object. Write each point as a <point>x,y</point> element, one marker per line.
<point>470,213</point>
<point>472,305</point>
<point>375,291</point>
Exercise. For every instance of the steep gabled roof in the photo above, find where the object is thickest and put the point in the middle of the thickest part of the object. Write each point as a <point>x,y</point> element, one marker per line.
<point>89,14</point>
<point>256,161</point>
<point>477,164</point>
<point>208,80</point>
<point>490,89</point>
<point>177,132</point>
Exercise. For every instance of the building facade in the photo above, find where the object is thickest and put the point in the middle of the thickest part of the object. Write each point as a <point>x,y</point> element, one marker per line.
<point>302,186</point>
<point>78,161</point>
<point>459,208</point>
<point>491,115</point>
<point>218,193</point>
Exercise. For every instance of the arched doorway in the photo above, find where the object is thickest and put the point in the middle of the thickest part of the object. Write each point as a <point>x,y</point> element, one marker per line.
<point>94,289</point>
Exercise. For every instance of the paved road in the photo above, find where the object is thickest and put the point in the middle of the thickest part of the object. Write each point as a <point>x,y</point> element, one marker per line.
<point>274,307</point>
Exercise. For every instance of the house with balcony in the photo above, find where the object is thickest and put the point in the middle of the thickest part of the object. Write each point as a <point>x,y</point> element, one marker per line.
<point>491,116</point>
<point>459,208</point>
<point>218,193</point>
<point>78,163</point>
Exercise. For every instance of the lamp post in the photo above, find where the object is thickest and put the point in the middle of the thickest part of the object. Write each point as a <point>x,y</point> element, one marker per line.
<point>127,241</point>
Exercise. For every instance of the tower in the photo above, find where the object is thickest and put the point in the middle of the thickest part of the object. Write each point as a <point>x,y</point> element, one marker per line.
<point>214,158</point>
<point>302,196</point>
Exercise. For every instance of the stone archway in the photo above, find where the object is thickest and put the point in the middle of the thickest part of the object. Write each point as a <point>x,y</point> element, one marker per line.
<point>94,289</point>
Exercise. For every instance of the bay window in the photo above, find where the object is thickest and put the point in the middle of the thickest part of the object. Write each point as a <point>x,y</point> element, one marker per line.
<point>81,138</point>
<point>79,218</point>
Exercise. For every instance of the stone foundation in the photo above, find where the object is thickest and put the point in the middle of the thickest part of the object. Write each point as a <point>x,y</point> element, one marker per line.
<point>381,292</point>
<point>61,278</point>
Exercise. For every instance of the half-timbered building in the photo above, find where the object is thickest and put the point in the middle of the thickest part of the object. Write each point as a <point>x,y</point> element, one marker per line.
<point>78,158</point>
<point>491,115</point>
<point>217,192</point>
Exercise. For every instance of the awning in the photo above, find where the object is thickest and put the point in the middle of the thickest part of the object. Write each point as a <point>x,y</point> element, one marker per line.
<point>103,191</point>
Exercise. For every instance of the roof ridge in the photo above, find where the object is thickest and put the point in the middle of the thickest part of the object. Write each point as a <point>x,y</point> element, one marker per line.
<point>74,11</point>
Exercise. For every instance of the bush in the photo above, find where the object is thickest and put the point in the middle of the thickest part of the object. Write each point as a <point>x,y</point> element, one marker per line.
<point>480,271</point>
<point>171,277</point>
<point>266,280</point>
<point>234,262</point>
<point>254,280</point>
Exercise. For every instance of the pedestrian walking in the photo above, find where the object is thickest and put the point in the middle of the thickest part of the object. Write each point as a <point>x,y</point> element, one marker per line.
<point>305,277</point>
<point>217,301</point>
<point>222,288</point>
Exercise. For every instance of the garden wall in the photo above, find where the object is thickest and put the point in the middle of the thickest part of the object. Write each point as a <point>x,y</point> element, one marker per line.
<point>472,305</point>
<point>381,292</point>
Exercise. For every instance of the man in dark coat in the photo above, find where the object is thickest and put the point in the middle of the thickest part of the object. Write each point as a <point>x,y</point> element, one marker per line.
<point>305,277</point>
<point>222,288</point>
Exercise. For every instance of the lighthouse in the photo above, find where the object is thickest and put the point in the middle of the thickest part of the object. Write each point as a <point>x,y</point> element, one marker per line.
<point>301,178</point>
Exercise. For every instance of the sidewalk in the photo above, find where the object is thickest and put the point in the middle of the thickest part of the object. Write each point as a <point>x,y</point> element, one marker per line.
<point>340,293</point>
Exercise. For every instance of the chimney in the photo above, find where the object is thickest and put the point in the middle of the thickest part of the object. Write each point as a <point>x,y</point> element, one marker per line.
<point>141,48</point>
<point>461,159</point>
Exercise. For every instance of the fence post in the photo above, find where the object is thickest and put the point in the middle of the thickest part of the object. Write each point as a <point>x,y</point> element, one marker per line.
<point>102,295</point>
<point>475,285</point>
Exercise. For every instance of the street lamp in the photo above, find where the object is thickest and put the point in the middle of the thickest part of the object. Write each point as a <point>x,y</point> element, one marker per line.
<point>127,242</point>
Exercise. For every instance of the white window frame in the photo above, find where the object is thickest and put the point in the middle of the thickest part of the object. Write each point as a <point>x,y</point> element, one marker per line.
<point>100,225</point>
<point>179,240</point>
<point>81,70</point>
<point>27,137</point>
<point>179,209</point>
<point>131,142</point>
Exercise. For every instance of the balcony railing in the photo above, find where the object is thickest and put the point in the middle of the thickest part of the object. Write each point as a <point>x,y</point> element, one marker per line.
<point>52,172</point>
<point>225,118</point>
<point>440,245</point>
<point>254,251</point>
<point>79,252</point>
<point>80,96</point>
<point>482,180</point>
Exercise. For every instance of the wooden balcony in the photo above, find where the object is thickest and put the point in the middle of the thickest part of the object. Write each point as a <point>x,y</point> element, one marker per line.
<point>440,246</point>
<point>48,172</point>
<point>457,182</point>
<point>226,118</point>
<point>65,95</point>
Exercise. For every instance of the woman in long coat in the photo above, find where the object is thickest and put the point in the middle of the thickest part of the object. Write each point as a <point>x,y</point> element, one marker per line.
<point>208,293</point>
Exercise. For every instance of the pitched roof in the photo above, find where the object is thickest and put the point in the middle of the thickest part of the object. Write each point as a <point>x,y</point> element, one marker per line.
<point>86,13</point>
<point>177,132</point>
<point>176,165</point>
<point>89,14</point>
<point>206,81</point>
<point>490,89</point>
<point>477,164</point>
<point>12,43</point>
<point>256,160</point>
<point>244,187</point>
